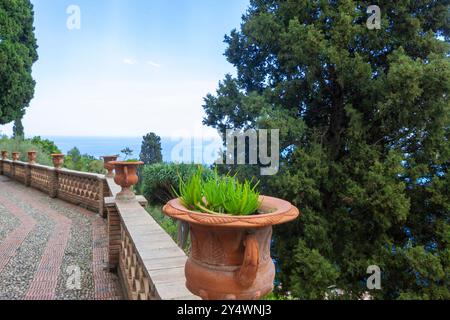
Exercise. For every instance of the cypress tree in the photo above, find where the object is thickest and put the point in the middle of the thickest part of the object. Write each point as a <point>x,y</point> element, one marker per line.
<point>364,120</point>
<point>18,52</point>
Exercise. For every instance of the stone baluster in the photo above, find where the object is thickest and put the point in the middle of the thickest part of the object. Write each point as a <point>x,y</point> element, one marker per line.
<point>15,158</point>
<point>58,161</point>
<point>31,160</point>
<point>101,196</point>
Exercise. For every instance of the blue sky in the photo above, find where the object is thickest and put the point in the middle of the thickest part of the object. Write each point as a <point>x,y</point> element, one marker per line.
<point>153,59</point>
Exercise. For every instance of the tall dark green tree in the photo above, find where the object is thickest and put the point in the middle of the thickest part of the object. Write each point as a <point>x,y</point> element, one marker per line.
<point>48,146</point>
<point>18,52</point>
<point>18,130</point>
<point>151,149</point>
<point>365,123</point>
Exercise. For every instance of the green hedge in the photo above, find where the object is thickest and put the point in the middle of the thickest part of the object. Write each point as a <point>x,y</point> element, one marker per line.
<point>23,146</point>
<point>158,179</point>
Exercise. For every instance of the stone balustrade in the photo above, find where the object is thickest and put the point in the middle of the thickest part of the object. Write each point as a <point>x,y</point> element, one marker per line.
<point>79,188</point>
<point>150,265</point>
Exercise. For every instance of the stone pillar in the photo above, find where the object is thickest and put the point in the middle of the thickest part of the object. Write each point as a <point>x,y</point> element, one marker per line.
<point>28,175</point>
<point>114,234</point>
<point>115,230</point>
<point>13,169</point>
<point>4,156</point>
<point>101,198</point>
<point>53,183</point>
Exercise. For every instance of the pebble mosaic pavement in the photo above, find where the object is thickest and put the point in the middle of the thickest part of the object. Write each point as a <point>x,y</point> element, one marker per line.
<point>47,245</point>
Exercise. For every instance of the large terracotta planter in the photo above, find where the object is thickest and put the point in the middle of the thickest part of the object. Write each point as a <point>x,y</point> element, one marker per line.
<point>4,155</point>
<point>108,166</point>
<point>126,177</point>
<point>32,155</point>
<point>230,255</point>
<point>58,160</point>
<point>15,156</point>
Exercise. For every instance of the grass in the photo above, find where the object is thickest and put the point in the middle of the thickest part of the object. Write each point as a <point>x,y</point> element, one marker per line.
<point>218,194</point>
<point>23,146</point>
<point>169,225</point>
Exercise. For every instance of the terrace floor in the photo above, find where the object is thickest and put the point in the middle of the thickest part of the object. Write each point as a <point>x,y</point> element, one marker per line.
<point>51,250</point>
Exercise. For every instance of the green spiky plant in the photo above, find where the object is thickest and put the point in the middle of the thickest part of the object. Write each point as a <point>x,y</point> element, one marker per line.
<point>219,194</point>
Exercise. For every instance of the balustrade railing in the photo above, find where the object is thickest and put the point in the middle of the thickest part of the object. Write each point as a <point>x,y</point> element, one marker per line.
<point>150,265</point>
<point>79,188</point>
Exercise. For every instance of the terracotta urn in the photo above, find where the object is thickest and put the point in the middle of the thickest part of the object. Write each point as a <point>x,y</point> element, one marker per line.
<point>58,160</point>
<point>108,166</point>
<point>230,255</point>
<point>126,177</point>
<point>32,155</point>
<point>16,156</point>
<point>4,154</point>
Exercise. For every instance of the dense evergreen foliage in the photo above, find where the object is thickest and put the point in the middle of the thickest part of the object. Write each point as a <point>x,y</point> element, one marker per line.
<point>17,55</point>
<point>151,149</point>
<point>158,180</point>
<point>47,145</point>
<point>364,120</point>
<point>23,146</point>
<point>18,130</point>
<point>74,160</point>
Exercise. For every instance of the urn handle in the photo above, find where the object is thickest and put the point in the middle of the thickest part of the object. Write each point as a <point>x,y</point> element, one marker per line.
<point>246,275</point>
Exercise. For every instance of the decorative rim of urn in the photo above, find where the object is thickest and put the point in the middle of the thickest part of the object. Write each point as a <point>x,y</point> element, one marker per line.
<point>58,159</point>
<point>122,163</point>
<point>4,154</point>
<point>107,164</point>
<point>32,156</point>
<point>281,211</point>
<point>15,156</point>
<point>126,177</point>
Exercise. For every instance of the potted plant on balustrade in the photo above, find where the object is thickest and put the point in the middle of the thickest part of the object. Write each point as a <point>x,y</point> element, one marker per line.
<point>58,160</point>
<point>108,166</point>
<point>126,177</point>
<point>16,156</point>
<point>231,231</point>
<point>32,155</point>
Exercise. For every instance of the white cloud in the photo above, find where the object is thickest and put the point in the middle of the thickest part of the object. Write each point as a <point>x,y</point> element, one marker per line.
<point>129,61</point>
<point>118,107</point>
<point>153,64</point>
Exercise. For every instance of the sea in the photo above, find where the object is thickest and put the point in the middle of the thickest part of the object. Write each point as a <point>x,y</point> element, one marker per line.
<point>179,150</point>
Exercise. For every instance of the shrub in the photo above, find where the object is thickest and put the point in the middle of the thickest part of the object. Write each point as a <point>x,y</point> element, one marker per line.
<point>159,179</point>
<point>23,146</point>
<point>168,224</point>
<point>82,162</point>
<point>46,145</point>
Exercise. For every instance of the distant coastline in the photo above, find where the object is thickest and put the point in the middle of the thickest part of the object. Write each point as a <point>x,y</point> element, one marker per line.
<point>101,146</point>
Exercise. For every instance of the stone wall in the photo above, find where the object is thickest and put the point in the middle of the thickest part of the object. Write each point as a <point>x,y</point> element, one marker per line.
<point>150,265</point>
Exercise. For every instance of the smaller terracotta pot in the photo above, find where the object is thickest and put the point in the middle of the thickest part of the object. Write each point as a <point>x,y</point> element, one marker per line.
<point>126,177</point>
<point>108,166</point>
<point>4,155</point>
<point>58,160</point>
<point>32,155</point>
<point>16,156</point>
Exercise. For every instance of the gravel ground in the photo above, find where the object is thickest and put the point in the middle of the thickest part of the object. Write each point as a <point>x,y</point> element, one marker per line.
<point>16,277</point>
<point>78,253</point>
<point>7,223</point>
<point>19,272</point>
